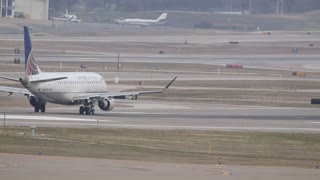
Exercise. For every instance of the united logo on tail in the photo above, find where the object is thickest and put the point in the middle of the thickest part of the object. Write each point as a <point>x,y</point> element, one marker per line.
<point>31,68</point>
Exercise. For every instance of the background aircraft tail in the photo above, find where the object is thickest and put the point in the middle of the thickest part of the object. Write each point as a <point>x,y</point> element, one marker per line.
<point>162,17</point>
<point>31,68</point>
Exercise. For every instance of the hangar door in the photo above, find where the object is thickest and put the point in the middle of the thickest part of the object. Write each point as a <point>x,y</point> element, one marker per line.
<point>33,9</point>
<point>38,9</point>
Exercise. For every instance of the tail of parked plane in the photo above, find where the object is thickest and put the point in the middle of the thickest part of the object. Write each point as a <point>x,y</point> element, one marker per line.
<point>31,68</point>
<point>162,17</point>
<point>67,13</point>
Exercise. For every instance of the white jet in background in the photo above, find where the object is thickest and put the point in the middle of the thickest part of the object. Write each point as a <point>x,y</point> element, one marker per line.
<point>143,22</point>
<point>65,88</point>
<point>68,17</point>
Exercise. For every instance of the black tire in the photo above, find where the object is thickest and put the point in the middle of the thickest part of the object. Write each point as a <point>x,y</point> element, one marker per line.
<point>36,109</point>
<point>92,111</point>
<point>87,110</point>
<point>81,110</point>
<point>43,108</point>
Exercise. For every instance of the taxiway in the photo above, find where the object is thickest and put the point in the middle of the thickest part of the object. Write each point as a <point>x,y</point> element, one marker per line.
<point>16,167</point>
<point>161,115</point>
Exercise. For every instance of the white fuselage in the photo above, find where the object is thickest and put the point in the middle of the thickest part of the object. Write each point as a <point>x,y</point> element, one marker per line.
<point>139,21</point>
<point>64,91</point>
<point>71,17</point>
<point>143,22</point>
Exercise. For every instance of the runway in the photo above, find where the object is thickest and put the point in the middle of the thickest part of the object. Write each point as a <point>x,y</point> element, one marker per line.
<point>149,115</point>
<point>201,39</point>
<point>16,167</point>
<point>276,62</point>
<point>169,115</point>
<point>169,58</point>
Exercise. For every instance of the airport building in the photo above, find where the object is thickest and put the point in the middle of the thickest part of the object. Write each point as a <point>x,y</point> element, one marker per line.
<point>7,8</point>
<point>32,9</point>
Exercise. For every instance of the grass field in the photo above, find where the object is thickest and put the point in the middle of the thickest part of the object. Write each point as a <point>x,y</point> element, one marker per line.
<point>241,148</point>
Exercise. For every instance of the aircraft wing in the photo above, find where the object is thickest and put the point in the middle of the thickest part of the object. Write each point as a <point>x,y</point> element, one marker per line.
<point>117,94</point>
<point>12,90</point>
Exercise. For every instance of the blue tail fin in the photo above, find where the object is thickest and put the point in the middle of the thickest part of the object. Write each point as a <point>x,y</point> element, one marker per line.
<point>31,68</point>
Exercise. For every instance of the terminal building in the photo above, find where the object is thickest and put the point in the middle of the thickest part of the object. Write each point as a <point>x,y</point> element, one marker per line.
<point>7,8</point>
<point>31,9</point>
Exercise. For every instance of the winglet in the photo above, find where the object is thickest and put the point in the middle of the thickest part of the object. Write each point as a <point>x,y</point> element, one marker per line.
<point>160,91</point>
<point>170,83</point>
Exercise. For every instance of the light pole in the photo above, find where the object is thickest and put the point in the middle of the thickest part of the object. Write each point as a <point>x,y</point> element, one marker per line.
<point>279,8</point>
<point>282,3</point>
<point>230,5</point>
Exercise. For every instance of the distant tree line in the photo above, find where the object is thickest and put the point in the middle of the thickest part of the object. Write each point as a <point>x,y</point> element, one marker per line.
<point>257,6</point>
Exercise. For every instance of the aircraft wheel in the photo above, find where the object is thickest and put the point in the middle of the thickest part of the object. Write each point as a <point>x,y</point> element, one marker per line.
<point>87,110</point>
<point>81,110</point>
<point>36,109</point>
<point>92,111</point>
<point>43,108</point>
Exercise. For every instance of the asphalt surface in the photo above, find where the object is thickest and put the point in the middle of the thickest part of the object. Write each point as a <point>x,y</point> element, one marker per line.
<point>202,39</point>
<point>160,115</point>
<point>281,62</point>
<point>165,115</point>
<point>289,63</point>
<point>16,167</point>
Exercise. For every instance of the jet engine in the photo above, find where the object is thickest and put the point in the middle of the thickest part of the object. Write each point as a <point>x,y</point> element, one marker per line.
<point>107,104</point>
<point>35,101</point>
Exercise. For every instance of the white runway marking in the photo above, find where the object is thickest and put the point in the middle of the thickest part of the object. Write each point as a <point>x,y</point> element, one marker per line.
<point>315,66</point>
<point>128,112</point>
<point>314,122</point>
<point>280,129</point>
<point>48,118</point>
<point>211,127</point>
<point>251,108</point>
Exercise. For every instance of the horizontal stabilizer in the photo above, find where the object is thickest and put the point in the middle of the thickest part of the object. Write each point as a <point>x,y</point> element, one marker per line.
<point>48,80</point>
<point>9,78</point>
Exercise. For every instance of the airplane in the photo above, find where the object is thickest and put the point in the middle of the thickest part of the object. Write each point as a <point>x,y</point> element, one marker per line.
<point>68,17</point>
<point>143,22</point>
<point>66,88</point>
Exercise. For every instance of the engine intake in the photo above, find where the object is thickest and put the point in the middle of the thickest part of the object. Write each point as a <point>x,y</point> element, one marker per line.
<point>34,101</point>
<point>107,104</point>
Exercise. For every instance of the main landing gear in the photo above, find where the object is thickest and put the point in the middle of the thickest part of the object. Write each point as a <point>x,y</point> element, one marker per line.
<point>86,110</point>
<point>41,108</point>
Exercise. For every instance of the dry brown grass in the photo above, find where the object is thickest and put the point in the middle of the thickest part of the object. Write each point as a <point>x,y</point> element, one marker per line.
<point>242,148</point>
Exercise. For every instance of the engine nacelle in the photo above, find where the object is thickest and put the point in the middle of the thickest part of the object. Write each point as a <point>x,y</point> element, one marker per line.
<point>107,104</point>
<point>35,101</point>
